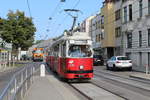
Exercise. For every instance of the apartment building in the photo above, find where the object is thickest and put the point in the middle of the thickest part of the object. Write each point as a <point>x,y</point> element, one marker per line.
<point>124,30</point>
<point>96,34</point>
<point>85,25</point>
<point>108,28</point>
<point>136,31</point>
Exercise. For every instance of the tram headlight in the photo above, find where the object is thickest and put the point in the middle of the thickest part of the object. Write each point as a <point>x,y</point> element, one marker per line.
<point>81,67</point>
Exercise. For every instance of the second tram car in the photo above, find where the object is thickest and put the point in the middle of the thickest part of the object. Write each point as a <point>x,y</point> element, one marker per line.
<point>72,56</point>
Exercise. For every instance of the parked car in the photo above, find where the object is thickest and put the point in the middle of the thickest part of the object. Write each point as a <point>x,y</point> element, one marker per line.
<point>119,62</point>
<point>98,60</point>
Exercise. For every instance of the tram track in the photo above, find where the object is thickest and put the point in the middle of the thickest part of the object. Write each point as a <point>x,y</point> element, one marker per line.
<point>86,96</point>
<point>92,91</point>
<point>110,91</point>
<point>128,81</point>
<point>123,76</point>
<point>123,86</point>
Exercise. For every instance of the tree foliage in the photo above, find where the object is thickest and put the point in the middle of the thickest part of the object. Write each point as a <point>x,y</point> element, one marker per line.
<point>18,30</point>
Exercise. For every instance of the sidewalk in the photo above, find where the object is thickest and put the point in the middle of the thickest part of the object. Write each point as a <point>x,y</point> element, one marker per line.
<point>141,75</point>
<point>49,87</point>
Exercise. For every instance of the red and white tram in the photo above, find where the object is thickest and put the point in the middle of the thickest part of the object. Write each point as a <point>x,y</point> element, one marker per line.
<point>71,56</point>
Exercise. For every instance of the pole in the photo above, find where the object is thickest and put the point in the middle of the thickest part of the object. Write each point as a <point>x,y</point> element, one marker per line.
<point>42,72</point>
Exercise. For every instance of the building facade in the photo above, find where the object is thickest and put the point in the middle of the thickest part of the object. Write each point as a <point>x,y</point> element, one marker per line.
<point>108,28</point>
<point>96,34</point>
<point>85,25</point>
<point>118,28</point>
<point>124,30</point>
<point>136,30</point>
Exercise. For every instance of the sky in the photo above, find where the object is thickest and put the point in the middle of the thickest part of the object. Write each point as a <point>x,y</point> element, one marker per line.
<point>48,15</point>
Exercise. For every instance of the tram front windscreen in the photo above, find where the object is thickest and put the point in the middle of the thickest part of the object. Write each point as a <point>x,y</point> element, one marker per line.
<point>80,51</point>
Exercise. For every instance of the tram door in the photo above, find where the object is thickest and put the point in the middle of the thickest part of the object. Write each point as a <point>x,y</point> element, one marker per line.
<point>63,58</point>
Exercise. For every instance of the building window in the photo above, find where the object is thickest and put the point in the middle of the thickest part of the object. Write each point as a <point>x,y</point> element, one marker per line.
<point>102,34</point>
<point>129,40</point>
<point>99,24</point>
<point>125,14</point>
<point>128,54</point>
<point>140,9</point>
<point>102,19</point>
<point>148,6</point>
<point>96,38</point>
<point>99,37</point>
<point>148,37</point>
<point>118,31</point>
<point>140,38</point>
<point>140,58</point>
<point>149,59</point>
<point>96,25</point>
<point>130,12</point>
<point>117,14</point>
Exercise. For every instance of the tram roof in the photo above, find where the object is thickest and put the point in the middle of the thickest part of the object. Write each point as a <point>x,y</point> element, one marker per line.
<point>78,36</point>
<point>74,36</point>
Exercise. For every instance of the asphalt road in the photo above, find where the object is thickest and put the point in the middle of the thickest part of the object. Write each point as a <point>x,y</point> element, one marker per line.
<point>119,83</point>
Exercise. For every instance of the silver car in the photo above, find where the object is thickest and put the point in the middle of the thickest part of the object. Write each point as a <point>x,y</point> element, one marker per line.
<point>119,62</point>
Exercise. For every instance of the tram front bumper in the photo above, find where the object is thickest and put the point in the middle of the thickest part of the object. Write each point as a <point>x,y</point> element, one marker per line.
<point>79,74</point>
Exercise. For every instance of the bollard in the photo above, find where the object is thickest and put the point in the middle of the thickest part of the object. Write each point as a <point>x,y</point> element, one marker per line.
<point>42,70</point>
<point>147,70</point>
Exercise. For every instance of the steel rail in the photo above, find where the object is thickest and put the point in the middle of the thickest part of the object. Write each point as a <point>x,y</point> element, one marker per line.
<point>109,91</point>
<point>124,77</point>
<point>89,98</point>
<point>124,84</point>
<point>86,96</point>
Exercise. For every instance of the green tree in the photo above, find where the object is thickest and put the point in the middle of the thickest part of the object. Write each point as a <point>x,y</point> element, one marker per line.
<point>18,30</point>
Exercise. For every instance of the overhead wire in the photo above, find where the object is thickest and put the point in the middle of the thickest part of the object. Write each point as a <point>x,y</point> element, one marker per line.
<point>76,4</point>
<point>110,15</point>
<point>55,10</point>
<point>51,18</point>
<point>63,20</point>
<point>28,4</point>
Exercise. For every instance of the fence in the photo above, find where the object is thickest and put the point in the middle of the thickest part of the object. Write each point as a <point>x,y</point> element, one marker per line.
<point>20,83</point>
<point>3,59</point>
<point>6,59</point>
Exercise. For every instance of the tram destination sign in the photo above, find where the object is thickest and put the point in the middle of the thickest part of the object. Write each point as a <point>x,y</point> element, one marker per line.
<point>81,41</point>
<point>78,41</point>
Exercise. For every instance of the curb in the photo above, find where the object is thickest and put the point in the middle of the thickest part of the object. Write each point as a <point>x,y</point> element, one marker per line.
<point>138,77</point>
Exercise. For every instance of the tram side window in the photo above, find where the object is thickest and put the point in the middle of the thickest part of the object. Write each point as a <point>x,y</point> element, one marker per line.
<point>56,50</point>
<point>63,50</point>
